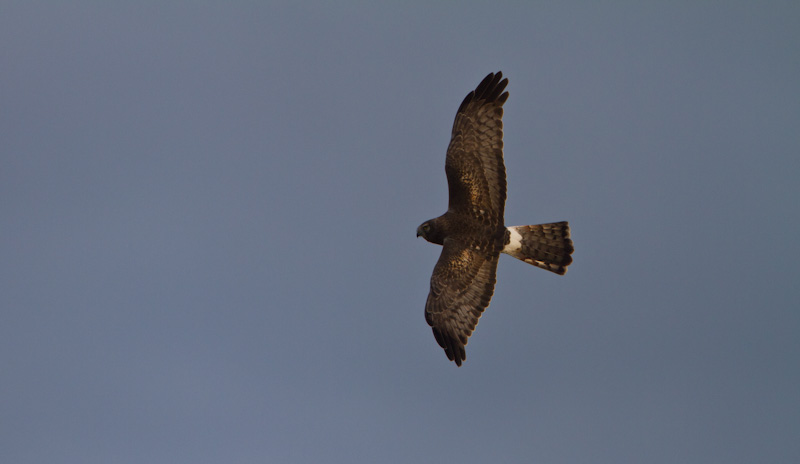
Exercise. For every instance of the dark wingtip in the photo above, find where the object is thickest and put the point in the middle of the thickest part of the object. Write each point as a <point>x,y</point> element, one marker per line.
<point>453,349</point>
<point>457,354</point>
<point>491,88</point>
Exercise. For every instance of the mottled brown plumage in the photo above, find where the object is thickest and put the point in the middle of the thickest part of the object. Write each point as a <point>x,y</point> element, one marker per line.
<point>472,231</point>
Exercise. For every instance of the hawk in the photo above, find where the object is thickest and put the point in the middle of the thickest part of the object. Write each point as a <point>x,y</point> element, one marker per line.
<point>472,232</point>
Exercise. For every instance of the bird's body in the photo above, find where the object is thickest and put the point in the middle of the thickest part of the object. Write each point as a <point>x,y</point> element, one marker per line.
<point>472,231</point>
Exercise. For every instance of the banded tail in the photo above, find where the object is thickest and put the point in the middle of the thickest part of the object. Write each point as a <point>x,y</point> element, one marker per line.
<point>547,246</point>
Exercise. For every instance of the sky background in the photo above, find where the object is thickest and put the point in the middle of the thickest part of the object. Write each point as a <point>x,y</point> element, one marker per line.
<point>208,215</point>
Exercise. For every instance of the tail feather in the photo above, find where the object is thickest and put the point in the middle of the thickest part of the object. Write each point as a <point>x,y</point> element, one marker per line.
<point>547,246</point>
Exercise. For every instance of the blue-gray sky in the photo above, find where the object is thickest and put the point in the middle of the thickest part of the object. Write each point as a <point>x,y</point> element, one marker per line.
<point>208,214</point>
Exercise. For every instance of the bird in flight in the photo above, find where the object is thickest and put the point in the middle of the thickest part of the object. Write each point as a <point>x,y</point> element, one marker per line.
<point>472,231</point>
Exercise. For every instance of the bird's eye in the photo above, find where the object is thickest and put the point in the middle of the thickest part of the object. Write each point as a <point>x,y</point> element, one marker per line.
<point>426,227</point>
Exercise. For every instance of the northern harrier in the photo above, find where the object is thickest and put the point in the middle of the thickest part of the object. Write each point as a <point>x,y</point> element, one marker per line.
<point>472,231</point>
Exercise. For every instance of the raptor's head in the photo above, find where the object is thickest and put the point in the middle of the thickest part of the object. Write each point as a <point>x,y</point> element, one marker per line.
<point>423,229</point>
<point>430,231</point>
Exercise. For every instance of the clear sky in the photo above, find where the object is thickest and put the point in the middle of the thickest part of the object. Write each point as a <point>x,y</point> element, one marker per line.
<point>208,215</point>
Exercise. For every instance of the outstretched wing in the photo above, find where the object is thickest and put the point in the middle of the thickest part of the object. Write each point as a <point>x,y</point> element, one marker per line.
<point>476,174</point>
<point>462,285</point>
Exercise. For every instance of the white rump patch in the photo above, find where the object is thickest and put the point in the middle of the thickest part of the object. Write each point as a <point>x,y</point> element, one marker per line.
<point>515,243</point>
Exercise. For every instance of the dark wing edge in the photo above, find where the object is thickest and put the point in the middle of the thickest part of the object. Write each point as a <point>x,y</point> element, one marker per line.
<point>462,286</point>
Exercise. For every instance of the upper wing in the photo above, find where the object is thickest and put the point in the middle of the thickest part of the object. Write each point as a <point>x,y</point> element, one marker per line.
<point>462,285</point>
<point>476,175</point>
